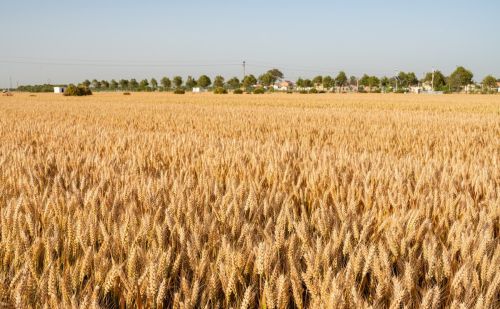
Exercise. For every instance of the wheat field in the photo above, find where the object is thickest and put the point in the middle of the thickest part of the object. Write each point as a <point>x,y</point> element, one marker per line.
<point>271,201</point>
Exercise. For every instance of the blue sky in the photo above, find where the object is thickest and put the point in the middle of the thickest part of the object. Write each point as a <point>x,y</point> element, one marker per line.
<point>68,41</point>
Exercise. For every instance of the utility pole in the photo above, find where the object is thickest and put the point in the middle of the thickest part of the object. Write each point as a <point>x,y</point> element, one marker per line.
<point>244,69</point>
<point>433,78</point>
<point>397,79</point>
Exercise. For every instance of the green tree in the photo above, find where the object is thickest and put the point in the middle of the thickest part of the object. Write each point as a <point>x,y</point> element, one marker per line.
<point>364,80</point>
<point>369,81</point>
<point>204,81</point>
<point>96,84</point>
<point>328,82</point>
<point>144,84</point>
<point>490,82</point>
<point>190,82</point>
<point>234,83</point>
<point>219,81</point>
<point>276,74</point>
<point>318,80</point>
<point>154,83</point>
<point>104,84</point>
<point>123,84</point>
<point>133,84</point>
<point>266,79</point>
<point>166,83</point>
<point>411,79</point>
<point>373,81</point>
<point>341,79</point>
<point>308,83</point>
<point>300,82</point>
<point>249,81</point>
<point>439,79</point>
<point>385,82</point>
<point>86,83</point>
<point>177,81</point>
<point>459,78</point>
<point>114,84</point>
<point>353,81</point>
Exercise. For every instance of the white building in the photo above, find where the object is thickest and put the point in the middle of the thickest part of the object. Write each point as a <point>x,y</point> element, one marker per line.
<point>283,86</point>
<point>59,89</point>
<point>199,90</point>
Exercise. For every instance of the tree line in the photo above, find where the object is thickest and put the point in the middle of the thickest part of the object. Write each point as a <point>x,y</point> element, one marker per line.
<point>455,82</point>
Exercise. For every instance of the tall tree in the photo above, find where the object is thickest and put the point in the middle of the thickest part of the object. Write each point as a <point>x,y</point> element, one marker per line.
<point>234,83</point>
<point>96,84</point>
<point>369,81</point>
<point>133,84</point>
<point>317,81</point>
<point>154,83</point>
<point>353,81</point>
<point>166,83</point>
<point>439,79</point>
<point>123,84</point>
<point>114,84</point>
<point>300,82</point>
<point>276,74</point>
<point>219,81</point>
<point>490,82</point>
<point>328,82</point>
<point>86,83</point>
<point>144,84</point>
<point>364,80</point>
<point>249,81</point>
<point>104,84</point>
<point>373,81</point>
<point>341,79</point>
<point>385,82</point>
<point>191,82</point>
<point>411,79</point>
<point>266,79</point>
<point>204,81</point>
<point>177,81</point>
<point>308,83</point>
<point>459,78</point>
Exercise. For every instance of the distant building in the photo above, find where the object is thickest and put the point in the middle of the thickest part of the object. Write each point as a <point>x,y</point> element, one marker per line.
<point>199,90</point>
<point>59,89</point>
<point>471,88</point>
<point>283,86</point>
<point>416,89</point>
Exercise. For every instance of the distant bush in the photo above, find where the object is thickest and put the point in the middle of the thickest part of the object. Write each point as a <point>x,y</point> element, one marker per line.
<point>78,91</point>
<point>303,92</point>
<point>126,93</point>
<point>313,90</point>
<point>238,91</point>
<point>322,91</point>
<point>37,88</point>
<point>179,91</point>
<point>220,90</point>
<point>258,91</point>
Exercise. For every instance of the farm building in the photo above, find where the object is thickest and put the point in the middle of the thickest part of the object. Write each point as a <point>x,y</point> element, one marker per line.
<point>59,89</point>
<point>199,90</point>
<point>283,86</point>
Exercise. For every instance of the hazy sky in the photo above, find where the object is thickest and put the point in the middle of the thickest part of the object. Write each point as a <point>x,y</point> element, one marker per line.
<point>69,41</point>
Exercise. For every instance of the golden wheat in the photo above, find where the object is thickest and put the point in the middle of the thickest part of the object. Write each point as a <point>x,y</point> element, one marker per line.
<point>283,201</point>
